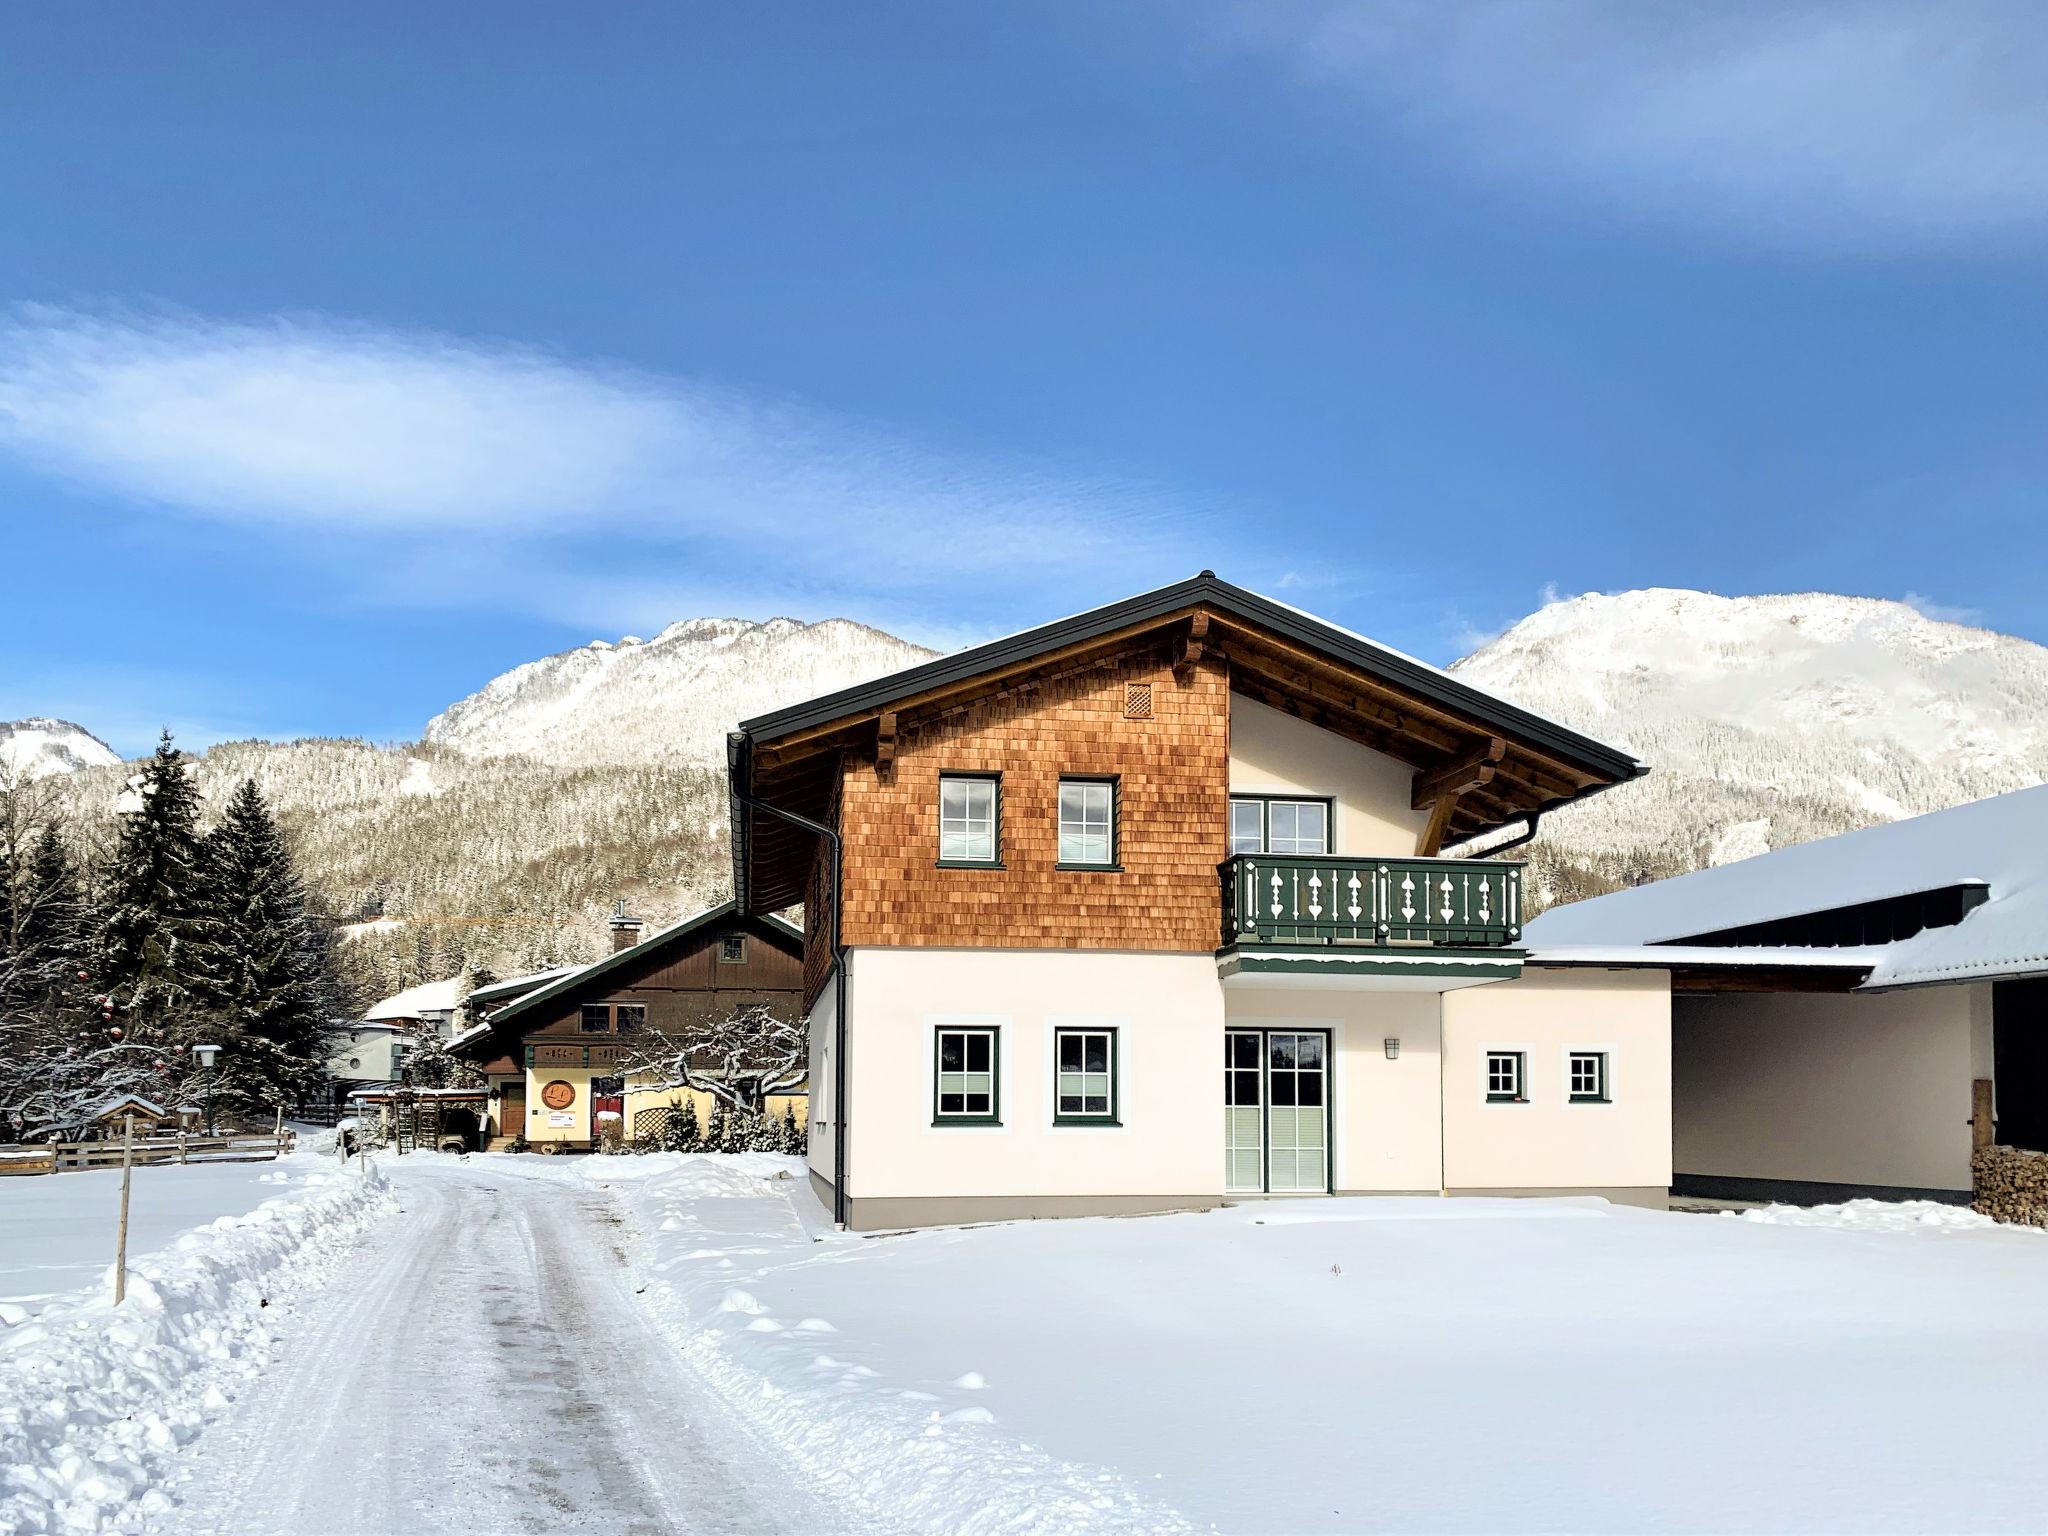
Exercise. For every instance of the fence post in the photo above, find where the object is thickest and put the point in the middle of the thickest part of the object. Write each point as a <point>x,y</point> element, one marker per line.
<point>121,1237</point>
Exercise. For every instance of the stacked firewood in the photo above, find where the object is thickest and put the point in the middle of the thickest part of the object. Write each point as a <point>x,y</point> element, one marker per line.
<point>2011,1185</point>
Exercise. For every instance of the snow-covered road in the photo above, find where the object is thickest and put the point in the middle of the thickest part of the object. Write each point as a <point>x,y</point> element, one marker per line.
<point>485,1366</point>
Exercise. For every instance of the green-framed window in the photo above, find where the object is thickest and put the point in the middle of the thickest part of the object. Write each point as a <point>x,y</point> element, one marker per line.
<point>1586,1077</point>
<point>1084,1076</point>
<point>1088,822</point>
<point>1507,1077</point>
<point>1280,824</point>
<point>970,820</point>
<point>967,1075</point>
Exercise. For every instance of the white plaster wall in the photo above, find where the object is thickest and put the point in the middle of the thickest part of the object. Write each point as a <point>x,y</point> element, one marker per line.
<point>578,1129</point>
<point>1550,1143</point>
<point>1167,1009</point>
<point>1834,1088</point>
<point>1273,753</point>
<point>824,1103</point>
<point>1386,1128</point>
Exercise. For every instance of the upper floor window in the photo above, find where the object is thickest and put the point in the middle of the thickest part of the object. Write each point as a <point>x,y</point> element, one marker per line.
<point>732,949</point>
<point>1088,822</point>
<point>611,1018</point>
<point>1267,824</point>
<point>970,818</point>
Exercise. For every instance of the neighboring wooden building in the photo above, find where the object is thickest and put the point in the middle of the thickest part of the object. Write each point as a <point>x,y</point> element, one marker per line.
<point>553,1054</point>
<point>1149,908</point>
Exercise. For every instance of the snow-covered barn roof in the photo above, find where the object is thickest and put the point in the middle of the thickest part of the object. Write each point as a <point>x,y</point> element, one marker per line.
<point>2000,844</point>
<point>416,1002</point>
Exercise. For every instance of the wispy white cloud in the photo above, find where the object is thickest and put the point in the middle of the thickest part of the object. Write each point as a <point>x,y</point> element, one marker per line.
<point>1873,124</point>
<point>494,473</point>
<point>1944,613</point>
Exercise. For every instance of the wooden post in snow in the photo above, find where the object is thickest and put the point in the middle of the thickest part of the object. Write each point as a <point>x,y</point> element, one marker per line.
<point>1983,1125</point>
<point>121,1236</point>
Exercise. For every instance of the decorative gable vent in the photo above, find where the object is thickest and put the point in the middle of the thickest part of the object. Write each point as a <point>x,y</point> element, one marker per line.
<point>1137,701</point>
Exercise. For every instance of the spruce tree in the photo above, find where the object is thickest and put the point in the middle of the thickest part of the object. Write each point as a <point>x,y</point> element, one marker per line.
<point>262,968</point>
<point>715,1134</point>
<point>689,1135</point>
<point>153,906</point>
<point>792,1133</point>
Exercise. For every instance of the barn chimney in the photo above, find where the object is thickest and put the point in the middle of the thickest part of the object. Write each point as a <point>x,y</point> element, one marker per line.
<point>625,930</point>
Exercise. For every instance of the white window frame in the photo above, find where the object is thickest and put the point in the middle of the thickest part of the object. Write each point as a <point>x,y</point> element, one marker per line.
<point>1085,827</point>
<point>969,825</point>
<point>1486,1089</point>
<point>1266,799</point>
<point>1606,1054</point>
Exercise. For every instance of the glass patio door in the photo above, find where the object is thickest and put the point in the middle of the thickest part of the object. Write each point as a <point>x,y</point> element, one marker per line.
<point>1276,1115</point>
<point>1244,1100</point>
<point>1297,1129</point>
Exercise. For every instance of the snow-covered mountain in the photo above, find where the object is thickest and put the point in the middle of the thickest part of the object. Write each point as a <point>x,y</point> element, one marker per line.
<point>675,696</point>
<point>1768,720</point>
<point>37,747</point>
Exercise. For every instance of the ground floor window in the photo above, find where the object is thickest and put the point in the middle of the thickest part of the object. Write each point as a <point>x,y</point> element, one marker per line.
<point>1504,1078</point>
<point>966,1083</point>
<point>1588,1077</point>
<point>1085,1088</point>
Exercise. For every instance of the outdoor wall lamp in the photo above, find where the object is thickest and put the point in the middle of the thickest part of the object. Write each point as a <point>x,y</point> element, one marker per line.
<point>1393,1046</point>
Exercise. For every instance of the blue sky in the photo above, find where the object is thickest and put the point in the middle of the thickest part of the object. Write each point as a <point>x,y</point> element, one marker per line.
<point>349,355</point>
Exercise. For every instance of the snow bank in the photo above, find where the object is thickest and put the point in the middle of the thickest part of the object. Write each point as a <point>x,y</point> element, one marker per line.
<point>96,1399</point>
<point>1873,1216</point>
<point>913,1453</point>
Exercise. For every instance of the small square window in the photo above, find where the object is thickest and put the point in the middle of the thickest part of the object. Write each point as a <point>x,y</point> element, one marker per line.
<point>1088,822</point>
<point>594,1019</point>
<point>966,1087</point>
<point>1504,1078</point>
<point>1084,1077</point>
<point>968,818</point>
<point>629,1017</point>
<point>1588,1071</point>
<point>732,949</point>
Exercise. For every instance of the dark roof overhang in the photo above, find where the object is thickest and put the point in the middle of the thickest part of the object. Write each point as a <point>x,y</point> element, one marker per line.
<point>1277,654</point>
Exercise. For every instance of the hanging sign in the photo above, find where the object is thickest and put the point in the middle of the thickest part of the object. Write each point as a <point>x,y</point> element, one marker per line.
<point>558,1094</point>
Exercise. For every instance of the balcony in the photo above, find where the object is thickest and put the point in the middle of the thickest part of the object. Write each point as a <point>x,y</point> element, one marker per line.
<point>1292,900</point>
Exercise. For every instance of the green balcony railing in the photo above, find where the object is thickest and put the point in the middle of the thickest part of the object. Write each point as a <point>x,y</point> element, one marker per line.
<point>1294,899</point>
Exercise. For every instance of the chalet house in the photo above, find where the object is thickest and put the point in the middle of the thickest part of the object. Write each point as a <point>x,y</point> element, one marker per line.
<point>553,1047</point>
<point>1852,1016</point>
<point>1149,909</point>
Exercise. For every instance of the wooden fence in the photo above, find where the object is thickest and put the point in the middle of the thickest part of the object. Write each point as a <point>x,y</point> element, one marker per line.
<point>150,1151</point>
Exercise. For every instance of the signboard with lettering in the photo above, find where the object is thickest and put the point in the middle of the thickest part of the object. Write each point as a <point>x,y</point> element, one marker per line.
<point>558,1094</point>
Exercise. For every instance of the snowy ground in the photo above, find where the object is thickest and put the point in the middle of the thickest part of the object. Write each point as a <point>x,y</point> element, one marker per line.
<point>680,1343</point>
<point>97,1402</point>
<point>61,1226</point>
<point>1377,1363</point>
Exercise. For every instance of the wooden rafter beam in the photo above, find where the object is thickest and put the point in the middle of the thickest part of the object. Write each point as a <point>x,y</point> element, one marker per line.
<point>885,741</point>
<point>1469,770</point>
<point>1431,841</point>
